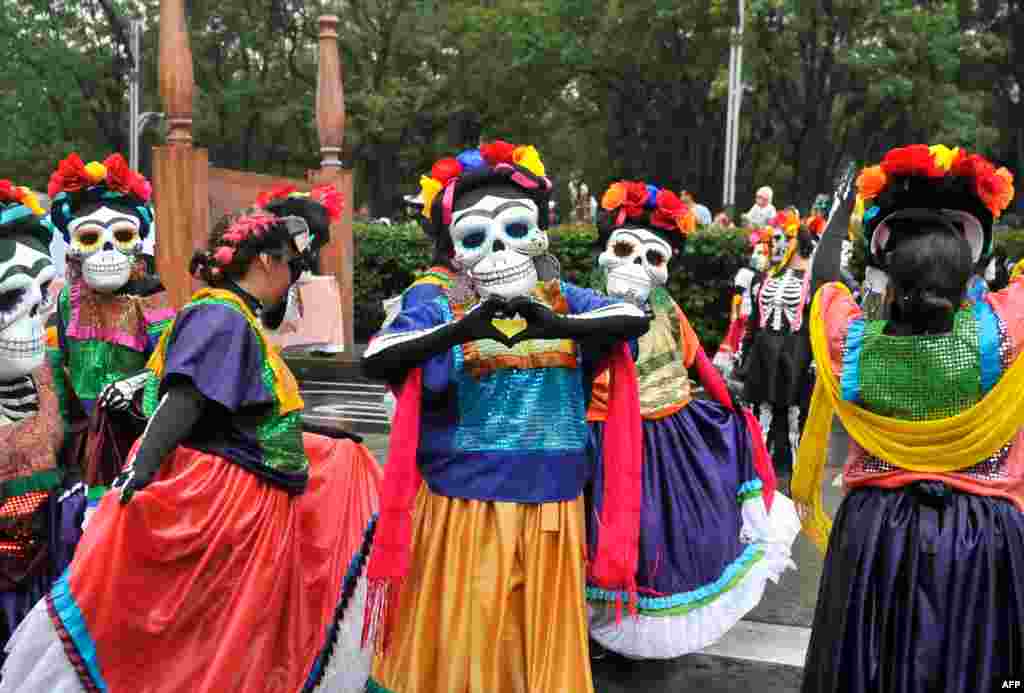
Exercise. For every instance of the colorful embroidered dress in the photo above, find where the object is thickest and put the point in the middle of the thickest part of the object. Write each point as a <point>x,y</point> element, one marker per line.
<point>241,554</point>
<point>708,545</point>
<point>38,530</point>
<point>498,534</point>
<point>103,338</point>
<point>920,556</point>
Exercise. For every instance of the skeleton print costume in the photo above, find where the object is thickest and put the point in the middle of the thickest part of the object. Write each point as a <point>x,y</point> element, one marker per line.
<point>776,353</point>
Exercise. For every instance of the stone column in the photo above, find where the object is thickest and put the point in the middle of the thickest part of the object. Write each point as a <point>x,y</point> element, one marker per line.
<point>337,256</point>
<point>180,172</point>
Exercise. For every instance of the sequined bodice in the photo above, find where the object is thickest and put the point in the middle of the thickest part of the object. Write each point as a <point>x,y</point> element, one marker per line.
<point>921,377</point>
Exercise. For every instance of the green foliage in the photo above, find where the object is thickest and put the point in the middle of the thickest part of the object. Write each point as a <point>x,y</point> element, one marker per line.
<point>389,258</point>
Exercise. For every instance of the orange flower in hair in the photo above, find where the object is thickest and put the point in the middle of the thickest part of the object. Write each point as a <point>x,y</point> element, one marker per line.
<point>871,181</point>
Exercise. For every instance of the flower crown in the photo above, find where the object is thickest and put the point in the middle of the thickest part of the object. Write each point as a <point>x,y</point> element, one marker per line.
<point>788,221</point>
<point>633,199</point>
<point>73,175</point>
<point>760,235</point>
<point>246,227</point>
<point>994,187</point>
<point>328,196</point>
<point>17,200</point>
<point>494,155</point>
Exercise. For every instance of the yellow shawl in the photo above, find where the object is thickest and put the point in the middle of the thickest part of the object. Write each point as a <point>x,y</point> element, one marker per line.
<point>940,446</point>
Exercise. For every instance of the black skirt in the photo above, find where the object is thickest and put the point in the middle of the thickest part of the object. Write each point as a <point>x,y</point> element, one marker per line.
<point>778,369</point>
<point>922,592</point>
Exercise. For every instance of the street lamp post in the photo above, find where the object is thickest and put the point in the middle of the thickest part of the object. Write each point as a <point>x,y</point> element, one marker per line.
<point>732,117</point>
<point>134,81</point>
<point>137,122</point>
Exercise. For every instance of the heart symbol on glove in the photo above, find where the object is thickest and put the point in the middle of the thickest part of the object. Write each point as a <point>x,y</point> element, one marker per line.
<point>509,328</point>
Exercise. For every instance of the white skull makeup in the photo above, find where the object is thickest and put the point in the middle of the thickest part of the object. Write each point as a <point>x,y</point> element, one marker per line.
<point>780,244</point>
<point>759,258</point>
<point>25,276</point>
<point>636,261</point>
<point>845,255</point>
<point>106,243</point>
<point>495,241</point>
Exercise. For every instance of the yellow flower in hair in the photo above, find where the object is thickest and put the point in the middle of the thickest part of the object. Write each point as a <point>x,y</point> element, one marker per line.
<point>429,187</point>
<point>529,158</point>
<point>1017,270</point>
<point>31,201</point>
<point>943,155</point>
<point>96,171</point>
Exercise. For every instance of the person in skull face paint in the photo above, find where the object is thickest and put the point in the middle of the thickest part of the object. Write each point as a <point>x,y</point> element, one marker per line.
<point>237,550</point>
<point>111,311</point>
<point>703,458</point>
<point>39,520</point>
<point>492,416</point>
<point>775,358</point>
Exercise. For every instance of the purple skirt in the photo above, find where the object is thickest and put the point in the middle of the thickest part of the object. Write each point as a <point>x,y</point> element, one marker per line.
<point>922,592</point>
<point>697,467</point>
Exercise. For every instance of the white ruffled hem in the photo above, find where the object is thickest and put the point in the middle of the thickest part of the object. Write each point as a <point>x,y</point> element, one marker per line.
<point>668,637</point>
<point>36,660</point>
<point>348,668</point>
<point>38,663</point>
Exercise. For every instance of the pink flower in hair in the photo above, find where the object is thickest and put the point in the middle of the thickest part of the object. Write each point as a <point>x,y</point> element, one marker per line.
<point>224,255</point>
<point>233,236</point>
<point>254,224</point>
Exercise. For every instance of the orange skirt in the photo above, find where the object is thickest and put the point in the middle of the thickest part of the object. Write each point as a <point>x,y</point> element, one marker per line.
<point>494,601</point>
<point>211,580</point>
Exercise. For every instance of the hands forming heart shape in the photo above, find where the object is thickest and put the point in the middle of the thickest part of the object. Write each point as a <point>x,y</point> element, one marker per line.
<point>541,321</point>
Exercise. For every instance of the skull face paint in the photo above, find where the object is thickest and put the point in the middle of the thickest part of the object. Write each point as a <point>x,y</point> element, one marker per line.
<point>495,241</point>
<point>25,276</point>
<point>636,261</point>
<point>780,244</point>
<point>846,255</point>
<point>105,242</point>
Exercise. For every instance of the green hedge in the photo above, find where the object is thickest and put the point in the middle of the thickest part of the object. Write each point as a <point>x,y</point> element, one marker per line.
<point>388,259</point>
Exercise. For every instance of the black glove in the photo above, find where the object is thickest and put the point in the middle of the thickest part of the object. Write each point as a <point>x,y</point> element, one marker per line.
<point>330,432</point>
<point>544,323</point>
<point>179,410</point>
<point>391,356</point>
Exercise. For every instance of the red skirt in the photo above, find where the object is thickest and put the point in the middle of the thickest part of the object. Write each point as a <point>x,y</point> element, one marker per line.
<point>212,580</point>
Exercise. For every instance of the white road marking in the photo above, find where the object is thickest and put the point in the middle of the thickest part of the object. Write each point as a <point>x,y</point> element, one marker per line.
<point>763,642</point>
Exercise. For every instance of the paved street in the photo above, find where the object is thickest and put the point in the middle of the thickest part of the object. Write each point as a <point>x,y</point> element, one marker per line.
<point>763,653</point>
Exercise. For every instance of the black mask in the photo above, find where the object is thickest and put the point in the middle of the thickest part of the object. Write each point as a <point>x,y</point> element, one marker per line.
<point>296,266</point>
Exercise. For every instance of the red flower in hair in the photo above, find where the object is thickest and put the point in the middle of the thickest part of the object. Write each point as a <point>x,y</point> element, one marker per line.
<point>669,209</point>
<point>636,198</point>
<point>497,152</point>
<point>446,169</point>
<point>973,166</point>
<point>119,176</point>
<point>8,193</point>
<point>280,192</point>
<point>140,187</point>
<point>995,189</point>
<point>912,160</point>
<point>70,176</point>
<point>332,200</point>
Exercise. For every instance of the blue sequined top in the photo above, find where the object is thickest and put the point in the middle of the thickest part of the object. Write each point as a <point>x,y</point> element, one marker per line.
<point>502,424</point>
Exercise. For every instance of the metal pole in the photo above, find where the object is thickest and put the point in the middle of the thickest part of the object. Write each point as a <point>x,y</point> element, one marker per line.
<point>134,84</point>
<point>737,106</point>
<point>732,134</point>
<point>728,127</point>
